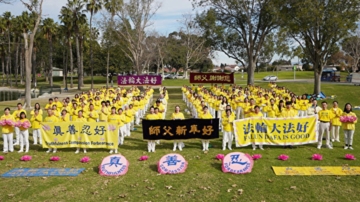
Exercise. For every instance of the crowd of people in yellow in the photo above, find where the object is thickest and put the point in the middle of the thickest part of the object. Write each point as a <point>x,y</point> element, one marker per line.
<point>229,103</point>
<point>126,108</point>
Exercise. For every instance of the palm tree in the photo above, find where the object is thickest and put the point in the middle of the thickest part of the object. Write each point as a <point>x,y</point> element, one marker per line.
<point>92,6</point>
<point>2,47</point>
<point>49,28</point>
<point>112,6</point>
<point>7,17</point>
<point>72,13</point>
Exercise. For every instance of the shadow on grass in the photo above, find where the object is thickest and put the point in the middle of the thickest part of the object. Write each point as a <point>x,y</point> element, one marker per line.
<point>153,167</point>
<point>96,169</point>
<point>217,166</point>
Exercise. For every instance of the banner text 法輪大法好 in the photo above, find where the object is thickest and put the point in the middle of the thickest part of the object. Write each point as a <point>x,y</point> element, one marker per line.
<point>275,131</point>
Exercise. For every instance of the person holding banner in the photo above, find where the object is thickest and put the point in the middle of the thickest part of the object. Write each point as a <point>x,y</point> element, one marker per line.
<point>349,127</point>
<point>80,118</point>
<point>335,122</point>
<point>257,113</point>
<point>7,130</point>
<point>206,115</point>
<point>271,109</point>
<point>36,120</point>
<point>324,117</point>
<point>227,122</point>
<point>177,115</point>
<point>51,118</point>
<point>151,116</point>
<point>24,133</point>
<point>64,116</point>
<point>303,105</point>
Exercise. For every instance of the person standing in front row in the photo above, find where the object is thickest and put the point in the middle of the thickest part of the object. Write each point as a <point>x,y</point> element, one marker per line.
<point>7,131</point>
<point>24,133</point>
<point>324,117</point>
<point>206,115</point>
<point>227,122</point>
<point>36,121</point>
<point>335,122</point>
<point>177,115</point>
<point>51,118</point>
<point>349,127</point>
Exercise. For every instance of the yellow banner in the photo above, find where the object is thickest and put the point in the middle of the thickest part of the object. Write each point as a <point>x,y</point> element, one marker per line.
<point>275,131</point>
<point>79,135</point>
<point>321,170</point>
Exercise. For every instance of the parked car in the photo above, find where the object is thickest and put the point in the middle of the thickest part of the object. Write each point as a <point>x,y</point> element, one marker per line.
<point>169,76</point>
<point>270,78</point>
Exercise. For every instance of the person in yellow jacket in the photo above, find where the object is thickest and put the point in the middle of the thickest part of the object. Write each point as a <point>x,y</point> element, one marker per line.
<point>205,115</point>
<point>16,115</point>
<point>51,119</point>
<point>80,118</point>
<point>288,112</point>
<point>24,133</point>
<point>272,109</point>
<point>257,113</point>
<point>36,107</point>
<point>335,122</point>
<point>104,112</point>
<point>92,115</point>
<point>122,125</point>
<point>114,118</point>
<point>349,127</point>
<point>227,123</point>
<point>7,131</point>
<point>65,117</point>
<point>324,117</point>
<point>127,121</point>
<point>36,121</point>
<point>177,115</point>
<point>152,116</point>
<point>303,104</point>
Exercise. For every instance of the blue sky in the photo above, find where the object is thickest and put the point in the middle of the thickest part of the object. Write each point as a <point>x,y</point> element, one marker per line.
<point>166,19</point>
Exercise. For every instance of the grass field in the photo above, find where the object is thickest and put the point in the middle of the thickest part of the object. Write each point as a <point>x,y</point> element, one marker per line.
<point>203,180</point>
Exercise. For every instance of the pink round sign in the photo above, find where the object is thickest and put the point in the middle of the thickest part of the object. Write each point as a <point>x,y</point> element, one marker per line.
<point>172,164</point>
<point>237,163</point>
<point>114,165</point>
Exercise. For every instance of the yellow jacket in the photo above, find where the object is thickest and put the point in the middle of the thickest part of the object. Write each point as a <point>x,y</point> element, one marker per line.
<point>22,121</point>
<point>7,129</point>
<point>36,121</point>
<point>227,123</point>
<point>349,126</point>
<point>337,112</point>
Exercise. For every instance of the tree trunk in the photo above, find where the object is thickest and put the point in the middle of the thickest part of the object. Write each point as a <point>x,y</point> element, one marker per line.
<point>9,57</point>
<point>250,72</point>
<point>82,61</point>
<point>71,64</point>
<point>22,56</point>
<point>33,68</point>
<point>7,70</point>
<point>91,55</point>
<point>28,53</point>
<point>317,81</point>
<point>78,61</point>
<point>50,61</point>
<point>65,62</point>
<point>3,70</point>
<point>17,62</point>
<point>107,68</point>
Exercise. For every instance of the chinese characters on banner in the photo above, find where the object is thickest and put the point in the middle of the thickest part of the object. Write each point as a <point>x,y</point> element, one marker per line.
<point>79,135</point>
<point>180,129</point>
<point>134,80</point>
<point>212,78</point>
<point>275,131</point>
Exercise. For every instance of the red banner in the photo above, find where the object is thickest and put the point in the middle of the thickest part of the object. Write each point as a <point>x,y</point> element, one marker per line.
<point>211,78</point>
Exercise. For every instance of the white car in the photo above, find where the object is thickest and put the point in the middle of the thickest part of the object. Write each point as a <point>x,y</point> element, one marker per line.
<point>270,78</point>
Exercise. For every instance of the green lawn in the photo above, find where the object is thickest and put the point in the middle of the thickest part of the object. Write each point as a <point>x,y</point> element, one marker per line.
<point>203,180</point>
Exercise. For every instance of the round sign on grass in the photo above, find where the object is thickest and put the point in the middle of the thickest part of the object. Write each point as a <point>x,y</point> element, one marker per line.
<point>237,163</point>
<point>172,164</point>
<point>114,165</point>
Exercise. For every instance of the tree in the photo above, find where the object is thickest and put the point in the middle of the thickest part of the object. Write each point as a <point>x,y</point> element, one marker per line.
<point>238,28</point>
<point>92,6</point>
<point>8,17</point>
<point>6,1</point>
<point>318,25</point>
<point>72,13</point>
<point>351,46</point>
<point>49,28</point>
<point>193,42</point>
<point>112,6</point>
<point>134,18</point>
<point>67,28</point>
<point>36,7</point>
